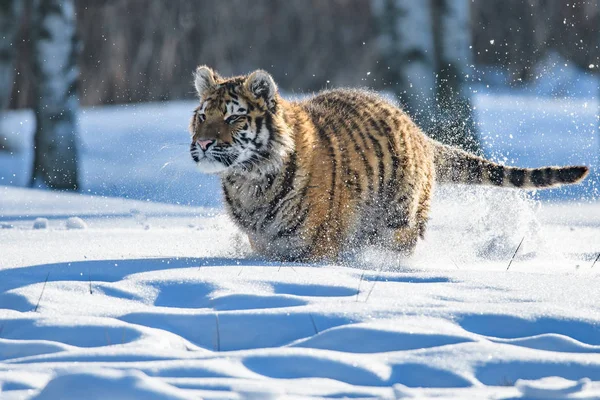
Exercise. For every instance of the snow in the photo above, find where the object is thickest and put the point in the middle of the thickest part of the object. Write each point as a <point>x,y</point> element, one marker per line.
<point>161,298</point>
<point>75,223</point>
<point>40,223</point>
<point>100,384</point>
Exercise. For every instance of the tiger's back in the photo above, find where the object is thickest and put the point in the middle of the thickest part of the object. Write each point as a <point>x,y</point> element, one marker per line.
<point>310,179</point>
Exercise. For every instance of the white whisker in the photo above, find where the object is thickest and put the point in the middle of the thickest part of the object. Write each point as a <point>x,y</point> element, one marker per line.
<point>169,146</point>
<point>177,157</point>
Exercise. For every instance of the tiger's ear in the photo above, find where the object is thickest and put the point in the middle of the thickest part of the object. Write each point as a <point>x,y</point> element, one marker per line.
<point>261,84</point>
<point>205,79</point>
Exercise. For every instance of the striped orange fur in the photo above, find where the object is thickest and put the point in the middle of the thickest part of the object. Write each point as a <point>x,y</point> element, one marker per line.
<point>311,179</point>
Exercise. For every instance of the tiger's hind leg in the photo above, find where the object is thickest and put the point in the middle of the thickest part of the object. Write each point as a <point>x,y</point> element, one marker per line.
<point>413,216</point>
<point>404,240</point>
<point>402,227</point>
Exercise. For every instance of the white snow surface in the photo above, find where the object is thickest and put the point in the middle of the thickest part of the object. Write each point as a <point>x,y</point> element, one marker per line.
<point>167,301</point>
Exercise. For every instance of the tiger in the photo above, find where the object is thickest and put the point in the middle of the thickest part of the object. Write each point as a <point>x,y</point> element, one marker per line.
<point>316,178</point>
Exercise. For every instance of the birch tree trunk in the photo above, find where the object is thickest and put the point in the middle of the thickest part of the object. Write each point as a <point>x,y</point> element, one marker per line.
<point>426,54</point>
<point>452,37</point>
<point>406,46</point>
<point>54,64</point>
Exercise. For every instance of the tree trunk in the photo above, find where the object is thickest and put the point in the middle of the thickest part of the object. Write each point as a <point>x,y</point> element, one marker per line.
<point>10,16</point>
<point>452,36</point>
<point>54,62</point>
<point>422,40</point>
<point>405,40</point>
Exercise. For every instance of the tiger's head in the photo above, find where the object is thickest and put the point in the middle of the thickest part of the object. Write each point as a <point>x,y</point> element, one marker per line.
<point>239,125</point>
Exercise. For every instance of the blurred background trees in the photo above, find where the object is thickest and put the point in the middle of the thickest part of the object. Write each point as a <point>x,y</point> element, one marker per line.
<point>52,73</point>
<point>10,17</point>
<point>144,50</point>
<point>426,53</point>
<point>426,59</point>
<point>55,49</point>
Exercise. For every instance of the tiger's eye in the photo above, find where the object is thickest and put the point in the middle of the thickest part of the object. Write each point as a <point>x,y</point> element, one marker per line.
<point>233,118</point>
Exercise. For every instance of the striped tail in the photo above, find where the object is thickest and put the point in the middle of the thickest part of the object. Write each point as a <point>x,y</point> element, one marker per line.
<point>453,165</point>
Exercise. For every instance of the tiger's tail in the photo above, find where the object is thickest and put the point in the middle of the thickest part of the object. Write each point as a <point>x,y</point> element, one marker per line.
<point>453,165</point>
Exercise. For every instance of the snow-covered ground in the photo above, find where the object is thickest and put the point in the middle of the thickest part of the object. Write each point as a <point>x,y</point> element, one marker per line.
<point>159,296</point>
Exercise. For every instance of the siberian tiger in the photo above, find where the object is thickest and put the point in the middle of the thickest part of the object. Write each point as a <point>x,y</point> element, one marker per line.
<point>314,178</point>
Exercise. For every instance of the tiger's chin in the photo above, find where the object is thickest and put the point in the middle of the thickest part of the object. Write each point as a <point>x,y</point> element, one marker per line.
<point>211,167</point>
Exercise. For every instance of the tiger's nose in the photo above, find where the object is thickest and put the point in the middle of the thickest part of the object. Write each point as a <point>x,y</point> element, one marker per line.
<point>204,143</point>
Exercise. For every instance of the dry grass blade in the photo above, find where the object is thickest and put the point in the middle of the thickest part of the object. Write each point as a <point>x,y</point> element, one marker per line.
<point>291,266</point>
<point>312,319</point>
<point>454,263</point>
<point>595,261</point>
<point>372,287</point>
<point>42,293</point>
<point>371,291</point>
<point>377,280</point>
<point>516,251</point>
<point>359,283</point>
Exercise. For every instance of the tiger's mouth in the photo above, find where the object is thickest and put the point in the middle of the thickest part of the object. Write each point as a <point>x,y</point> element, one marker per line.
<point>211,157</point>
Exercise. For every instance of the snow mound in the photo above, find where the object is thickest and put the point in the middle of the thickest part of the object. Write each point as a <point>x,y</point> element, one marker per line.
<point>76,223</point>
<point>40,223</point>
<point>555,388</point>
<point>111,384</point>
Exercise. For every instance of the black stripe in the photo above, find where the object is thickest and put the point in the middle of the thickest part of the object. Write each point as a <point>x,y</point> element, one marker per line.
<point>360,150</point>
<point>259,122</point>
<point>379,153</point>
<point>393,182</point>
<point>224,159</point>
<point>351,177</point>
<point>259,156</point>
<point>235,211</point>
<point>540,178</point>
<point>474,170</point>
<point>289,213</point>
<point>269,125</point>
<point>293,229</point>
<point>496,174</point>
<point>517,177</point>
<point>451,167</point>
<point>549,173</point>
<point>353,182</point>
<point>231,181</point>
<point>570,174</point>
<point>270,178</point>
<point>193,152</point>
<point>326,138</point>
<point>286,186</point>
